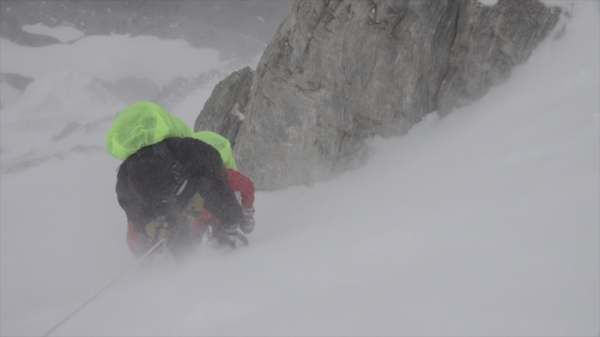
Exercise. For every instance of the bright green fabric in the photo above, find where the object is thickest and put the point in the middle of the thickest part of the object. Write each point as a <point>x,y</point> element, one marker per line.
<point>220,143</point>
<point>142,124</point>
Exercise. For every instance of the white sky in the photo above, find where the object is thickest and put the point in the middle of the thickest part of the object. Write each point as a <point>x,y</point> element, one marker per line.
<point>485,222</point>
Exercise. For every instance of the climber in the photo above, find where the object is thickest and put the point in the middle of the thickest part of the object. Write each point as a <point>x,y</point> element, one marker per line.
<point>167,179</point>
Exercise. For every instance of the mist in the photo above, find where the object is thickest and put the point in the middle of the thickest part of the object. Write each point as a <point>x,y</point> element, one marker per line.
<point>484,222</point>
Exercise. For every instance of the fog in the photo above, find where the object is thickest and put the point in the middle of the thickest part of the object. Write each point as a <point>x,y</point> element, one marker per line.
<point>484,222</point>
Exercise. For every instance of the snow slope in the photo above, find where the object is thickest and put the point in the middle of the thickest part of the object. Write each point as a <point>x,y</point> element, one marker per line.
<point>485,222</point>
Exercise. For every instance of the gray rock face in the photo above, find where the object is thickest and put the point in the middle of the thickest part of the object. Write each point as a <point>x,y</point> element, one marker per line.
<point>225,109</point>
<point>489,42</point>
<point>338,71</point>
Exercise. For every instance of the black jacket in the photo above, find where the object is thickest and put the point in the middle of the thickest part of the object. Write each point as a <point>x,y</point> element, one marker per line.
<point>144,180</point>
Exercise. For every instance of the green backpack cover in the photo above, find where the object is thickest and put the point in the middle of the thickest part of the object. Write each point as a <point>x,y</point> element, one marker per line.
<point>221,144</point>
<point>142,124</point>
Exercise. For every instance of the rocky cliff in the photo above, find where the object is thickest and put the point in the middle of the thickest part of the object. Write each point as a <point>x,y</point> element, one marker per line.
<point>338,72</point>
<point>224,111</point>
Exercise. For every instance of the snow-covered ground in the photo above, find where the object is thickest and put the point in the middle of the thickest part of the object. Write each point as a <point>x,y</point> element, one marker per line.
<point>485,222</point>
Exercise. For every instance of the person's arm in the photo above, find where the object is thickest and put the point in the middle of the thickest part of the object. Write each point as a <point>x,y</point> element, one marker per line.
<point>206,166</point>
<point>241,183</point>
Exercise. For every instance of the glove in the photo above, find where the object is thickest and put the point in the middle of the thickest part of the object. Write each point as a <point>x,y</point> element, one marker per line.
<point>195,207</point>
<point>248,223</point>
<point>157,228</point>
<point>218,237</point>
<point>230,229</point>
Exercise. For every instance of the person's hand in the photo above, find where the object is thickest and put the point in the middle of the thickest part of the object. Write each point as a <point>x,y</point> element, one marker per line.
<point>248,223</point>
<point>157,228</point>
<point>234,239</point>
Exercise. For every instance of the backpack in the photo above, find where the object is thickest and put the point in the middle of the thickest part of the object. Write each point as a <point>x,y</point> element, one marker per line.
<point>140,125</point>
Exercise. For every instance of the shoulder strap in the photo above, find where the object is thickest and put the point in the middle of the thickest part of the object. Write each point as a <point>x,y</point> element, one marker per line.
<point>180,172</point>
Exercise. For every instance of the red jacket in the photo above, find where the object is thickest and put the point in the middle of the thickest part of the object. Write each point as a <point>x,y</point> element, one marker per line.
<point>240,183</point>
<point>237,182</point>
